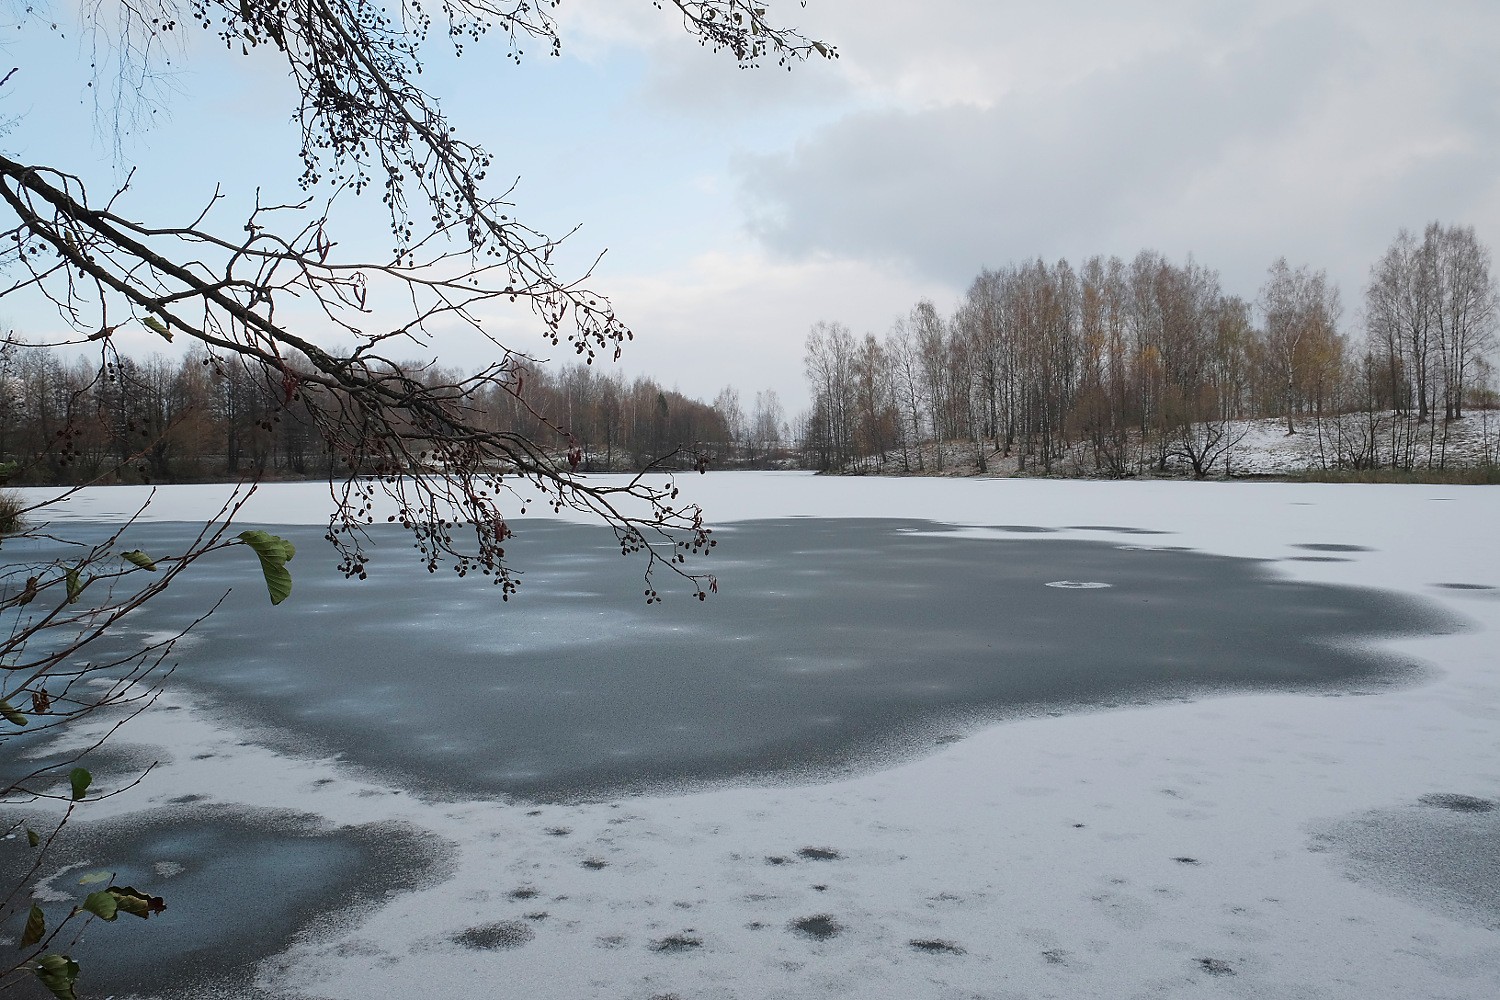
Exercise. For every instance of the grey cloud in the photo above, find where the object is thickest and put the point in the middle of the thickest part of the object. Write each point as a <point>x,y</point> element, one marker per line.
<point>692,81</point>
<point>1080,170</point>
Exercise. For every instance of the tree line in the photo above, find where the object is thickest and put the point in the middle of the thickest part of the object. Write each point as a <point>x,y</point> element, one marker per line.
<point>1116,368</point>
<point>69,419</point>
<point>1109,367</point>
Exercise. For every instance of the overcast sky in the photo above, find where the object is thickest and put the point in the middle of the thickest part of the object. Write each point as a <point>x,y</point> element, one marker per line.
<point>739,207</point>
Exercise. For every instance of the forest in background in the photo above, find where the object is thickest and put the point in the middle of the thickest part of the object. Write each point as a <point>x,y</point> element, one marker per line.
<point>201,417</point>
<point>1108,368</point>
<point>1115,368</point>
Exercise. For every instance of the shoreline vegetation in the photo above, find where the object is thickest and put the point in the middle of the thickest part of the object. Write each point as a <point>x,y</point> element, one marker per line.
<point>1399,450</point>
<point>959,462</point>
<point>1484,475</point>
<point>1118,368</point>
<point>203,420</point>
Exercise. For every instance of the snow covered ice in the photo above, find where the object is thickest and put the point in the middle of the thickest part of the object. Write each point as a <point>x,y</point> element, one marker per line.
<point>1331,842</point>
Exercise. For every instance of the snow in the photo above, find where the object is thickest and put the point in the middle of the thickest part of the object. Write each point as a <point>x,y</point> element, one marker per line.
<point>1192,849</point>
<point>1245,448</point>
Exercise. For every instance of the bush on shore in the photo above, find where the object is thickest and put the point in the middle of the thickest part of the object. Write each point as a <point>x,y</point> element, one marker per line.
<point>10,513</point>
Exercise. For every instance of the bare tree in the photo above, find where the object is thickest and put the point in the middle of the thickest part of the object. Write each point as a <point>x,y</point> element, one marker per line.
<point>1430,313</point>
<point>829,363</point>
<point>907,387</point>
<point>766,422</point>
<point>259,292</point>
<point>876,415</point>
<point>727,406</point>
<point>1211,379</point>
<point>1465,308</point>
<point>930,333</point>
<point>1399,310</point>
<point>1301,337</point>
<point>1103,399</point>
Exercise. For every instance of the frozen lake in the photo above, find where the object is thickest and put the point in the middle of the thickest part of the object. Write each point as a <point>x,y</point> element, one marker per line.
<point>833,644</point>
<point>557,786</point>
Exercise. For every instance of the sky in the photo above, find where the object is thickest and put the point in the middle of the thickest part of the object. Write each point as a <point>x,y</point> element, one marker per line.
<point>737,207</point>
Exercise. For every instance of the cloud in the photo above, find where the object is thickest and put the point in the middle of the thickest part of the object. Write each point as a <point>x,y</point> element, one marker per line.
<point>737,316</point>
<point>1310,130</point>
<point>731,316</point>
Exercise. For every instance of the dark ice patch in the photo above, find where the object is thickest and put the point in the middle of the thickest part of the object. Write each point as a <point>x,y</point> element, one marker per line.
<point>239,885</point>
<point>935,946</point>
<point>834,645</point>
<point>1117,529</point>
<point>1444,855</point>
<point>1464,586</point>
<point>1456,802</point>
<point>1332,547</point>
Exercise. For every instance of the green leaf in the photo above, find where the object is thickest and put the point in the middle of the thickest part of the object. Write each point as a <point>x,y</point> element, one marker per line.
<point>36,927</point>
<point>157,326</point>
<point>11,715</point>
<point>274,552</point>
<point>58,973</point>
<point>32,838</point>
<point>80,780</point>
<point>75,586</point>
<point>94,877</point>
<point>130,900</point>
<point>140,558</point>
<point>102,904</point>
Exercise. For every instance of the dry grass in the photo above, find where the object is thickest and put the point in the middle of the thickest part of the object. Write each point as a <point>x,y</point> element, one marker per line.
<point>1469,475</point>
<point>10,513</point>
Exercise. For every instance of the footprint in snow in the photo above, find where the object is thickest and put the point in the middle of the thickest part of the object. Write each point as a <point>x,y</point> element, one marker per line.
<point>676,943</point>
<point>819,927</point>
<point>1216,967</point>
<point>492,937</point>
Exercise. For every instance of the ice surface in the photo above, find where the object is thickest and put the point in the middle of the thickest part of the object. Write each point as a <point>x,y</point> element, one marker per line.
<point>832,644</point>
<point>241,882</point>
<point>1034,857</point>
